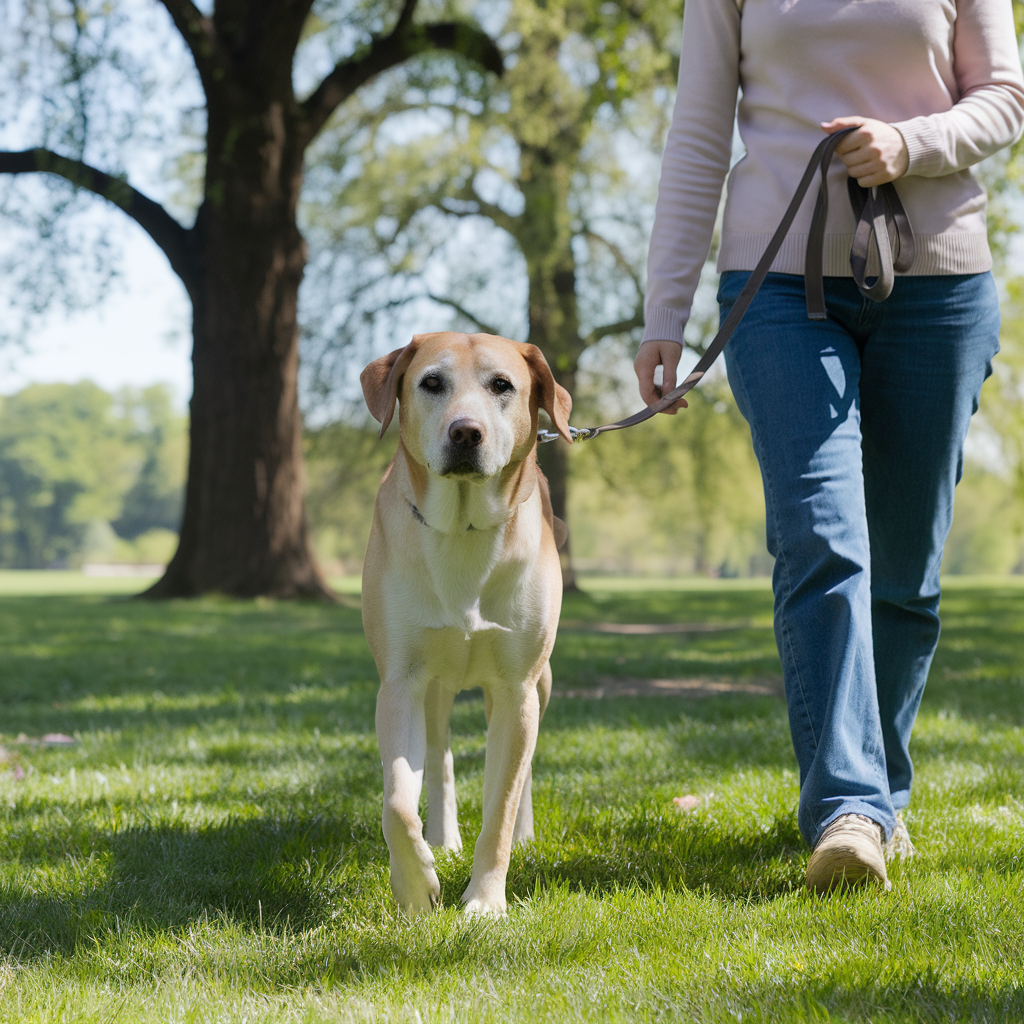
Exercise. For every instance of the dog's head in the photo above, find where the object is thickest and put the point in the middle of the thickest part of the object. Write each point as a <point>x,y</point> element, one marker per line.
<point>469,402</point>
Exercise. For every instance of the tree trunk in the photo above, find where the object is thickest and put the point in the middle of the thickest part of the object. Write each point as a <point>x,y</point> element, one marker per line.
<point>244,528</point>
<point>545,239</point>
<point>554,461</point>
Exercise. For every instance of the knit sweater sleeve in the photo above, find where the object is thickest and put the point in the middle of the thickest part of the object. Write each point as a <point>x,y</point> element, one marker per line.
<point>694,166</point>
<point>989,113</point>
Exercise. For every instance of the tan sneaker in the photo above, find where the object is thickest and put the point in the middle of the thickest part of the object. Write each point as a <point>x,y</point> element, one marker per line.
<point>899,844</point>
<point>848,853</point>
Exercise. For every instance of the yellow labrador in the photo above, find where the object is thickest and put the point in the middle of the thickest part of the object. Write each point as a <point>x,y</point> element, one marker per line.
<point>461,587</point>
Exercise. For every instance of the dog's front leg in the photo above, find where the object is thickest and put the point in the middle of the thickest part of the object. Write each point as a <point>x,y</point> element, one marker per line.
<point>442,814</point>
<point>511,738</point>
<point>401,736</point>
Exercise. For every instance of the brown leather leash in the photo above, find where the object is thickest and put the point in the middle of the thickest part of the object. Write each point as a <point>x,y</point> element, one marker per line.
<point>880,218</point>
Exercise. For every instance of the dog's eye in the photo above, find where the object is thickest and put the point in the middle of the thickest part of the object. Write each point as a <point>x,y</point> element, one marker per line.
<point>501,386</point>
<point>432,383</point>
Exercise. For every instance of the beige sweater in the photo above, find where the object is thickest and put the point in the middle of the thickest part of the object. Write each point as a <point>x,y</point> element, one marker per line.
<point>945,73</point>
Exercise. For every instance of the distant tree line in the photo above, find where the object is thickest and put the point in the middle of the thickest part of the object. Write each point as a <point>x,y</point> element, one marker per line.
<point>90,476</point>
<point>82,469</point>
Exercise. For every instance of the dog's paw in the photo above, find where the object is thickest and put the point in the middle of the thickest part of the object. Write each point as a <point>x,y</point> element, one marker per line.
<point>484,906</point>
<point>418,891</point>
<point>478,908</point>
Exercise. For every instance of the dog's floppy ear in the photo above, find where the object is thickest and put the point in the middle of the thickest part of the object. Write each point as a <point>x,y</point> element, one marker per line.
<point>380,382</point>
<point>551,396</point>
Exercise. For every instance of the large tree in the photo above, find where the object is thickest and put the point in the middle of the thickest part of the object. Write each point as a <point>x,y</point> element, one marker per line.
<point>242,261</point>
<point>555,158</point>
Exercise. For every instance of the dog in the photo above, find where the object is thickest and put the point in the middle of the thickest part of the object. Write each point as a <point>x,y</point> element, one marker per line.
<point>462,587</point>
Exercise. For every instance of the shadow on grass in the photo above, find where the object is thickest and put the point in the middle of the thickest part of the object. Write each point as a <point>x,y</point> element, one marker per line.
<point>609,852</point>
<point>271,875</point>
<point>65,649</point>
<point>292,874</point>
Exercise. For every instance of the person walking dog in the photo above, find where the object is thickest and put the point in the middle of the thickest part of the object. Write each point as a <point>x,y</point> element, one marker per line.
<point>858,421</point>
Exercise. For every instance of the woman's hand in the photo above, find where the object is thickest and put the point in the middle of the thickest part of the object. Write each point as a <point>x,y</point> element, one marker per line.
<point>874,154</point>
<point>653,354</point>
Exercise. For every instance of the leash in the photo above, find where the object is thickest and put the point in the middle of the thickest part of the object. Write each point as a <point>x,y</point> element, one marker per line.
<point>880,217</point>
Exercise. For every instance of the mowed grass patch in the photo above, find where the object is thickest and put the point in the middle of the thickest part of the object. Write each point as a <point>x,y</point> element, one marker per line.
<point>209,849</point>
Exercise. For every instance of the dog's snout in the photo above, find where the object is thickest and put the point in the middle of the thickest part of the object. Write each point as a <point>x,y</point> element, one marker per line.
<point>466,433</point>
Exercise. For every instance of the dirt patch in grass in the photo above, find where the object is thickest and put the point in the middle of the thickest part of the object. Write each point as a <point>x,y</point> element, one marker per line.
<point>699,686</point>
<point>648,628</point>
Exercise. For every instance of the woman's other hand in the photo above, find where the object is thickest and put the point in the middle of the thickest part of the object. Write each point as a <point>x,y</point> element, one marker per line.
<point>653,354</point>
<point>874,154</point>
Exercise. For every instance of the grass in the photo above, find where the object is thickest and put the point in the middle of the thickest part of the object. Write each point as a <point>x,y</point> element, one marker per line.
<point>65,582</point>
<point>209,849</point>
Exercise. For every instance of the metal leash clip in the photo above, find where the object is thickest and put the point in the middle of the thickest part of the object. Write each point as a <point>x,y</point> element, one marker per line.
<point>576,433</point>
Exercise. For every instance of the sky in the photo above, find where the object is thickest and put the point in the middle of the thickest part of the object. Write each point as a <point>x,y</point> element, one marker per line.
<point>140,335</point>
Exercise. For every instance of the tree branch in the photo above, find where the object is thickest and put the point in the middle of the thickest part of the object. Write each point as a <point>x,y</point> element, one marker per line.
<point>405,40</point>
<point>493,212</point>
<point>199,35</point>
<point>462,311</point>
<point>173,239</point>
<point>619,256</point>
<point>636,320</point>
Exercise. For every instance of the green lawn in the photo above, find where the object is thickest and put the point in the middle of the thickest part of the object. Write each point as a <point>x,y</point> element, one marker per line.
<point>210,850</point>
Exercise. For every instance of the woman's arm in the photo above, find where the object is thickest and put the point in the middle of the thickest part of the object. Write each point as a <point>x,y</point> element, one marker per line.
<point>693,171</point>
<point>990,112</point>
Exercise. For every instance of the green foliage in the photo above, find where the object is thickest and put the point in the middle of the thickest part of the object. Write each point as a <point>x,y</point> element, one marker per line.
<point>988,527</point>
<point>344,466</point>
<point>157,433</point>
<point>210,848</point>
<point>988,532</point>
<point>1003,397</point>
<point>675,495</point>
<point>520,206</point>
<point>74,459</point>
<point>1002,177</point>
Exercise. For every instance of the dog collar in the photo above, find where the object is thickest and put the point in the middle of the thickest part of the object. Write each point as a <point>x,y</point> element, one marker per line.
<point>418,516</point>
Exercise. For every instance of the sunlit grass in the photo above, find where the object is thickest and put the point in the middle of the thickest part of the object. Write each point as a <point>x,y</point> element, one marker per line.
<point>209,849</point>
<point>62,582</point>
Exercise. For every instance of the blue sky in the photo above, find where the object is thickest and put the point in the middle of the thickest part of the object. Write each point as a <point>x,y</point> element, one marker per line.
<point>140,335</point>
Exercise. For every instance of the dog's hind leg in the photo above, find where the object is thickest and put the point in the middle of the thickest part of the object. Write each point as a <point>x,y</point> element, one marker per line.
<point>511,738</point>
<point>523,831</point>
<point>442,814</point>
<point>401,736</point>
<point>524,818</point>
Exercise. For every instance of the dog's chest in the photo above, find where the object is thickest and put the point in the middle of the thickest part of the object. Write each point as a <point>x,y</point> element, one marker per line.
<point>460,569</point>
<point>476,619</point>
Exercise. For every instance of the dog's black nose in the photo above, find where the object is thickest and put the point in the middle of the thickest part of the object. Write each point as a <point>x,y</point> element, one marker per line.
<point>466,433</point>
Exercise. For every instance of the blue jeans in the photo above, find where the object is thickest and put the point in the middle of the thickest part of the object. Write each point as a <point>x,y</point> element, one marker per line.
<point>858,423</point>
